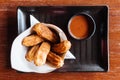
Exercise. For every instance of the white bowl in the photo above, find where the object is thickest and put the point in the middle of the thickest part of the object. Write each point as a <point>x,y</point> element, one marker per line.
<point>18,51</point>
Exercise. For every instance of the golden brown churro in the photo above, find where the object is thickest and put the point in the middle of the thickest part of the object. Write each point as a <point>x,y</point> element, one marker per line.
<point>30,54</point>
<point>61,47</point>
<point>32,40</point>
<point>55,60</point>
<point>44,32</point>
<point>41,54</point>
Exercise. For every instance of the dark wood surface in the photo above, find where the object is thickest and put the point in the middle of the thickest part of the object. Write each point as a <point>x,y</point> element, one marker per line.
<point>8,24</point>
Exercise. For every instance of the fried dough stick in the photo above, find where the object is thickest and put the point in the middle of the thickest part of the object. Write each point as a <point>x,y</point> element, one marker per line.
<point>62,47</point>
<point>41,54</point>
<point>44,32</point>
<point>30,54</point>
<point>32,40</point>
<point>55,60</point>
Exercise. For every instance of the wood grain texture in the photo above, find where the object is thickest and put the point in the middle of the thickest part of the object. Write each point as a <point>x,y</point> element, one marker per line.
<point>8,24</point>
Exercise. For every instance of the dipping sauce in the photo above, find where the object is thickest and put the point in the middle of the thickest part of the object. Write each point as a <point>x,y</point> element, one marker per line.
<point>79,26</point>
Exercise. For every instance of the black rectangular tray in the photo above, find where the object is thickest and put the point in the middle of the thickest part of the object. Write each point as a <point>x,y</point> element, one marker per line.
<point>92,54</point>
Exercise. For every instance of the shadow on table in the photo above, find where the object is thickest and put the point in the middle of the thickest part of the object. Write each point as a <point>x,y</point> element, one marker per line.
<point>12,32</point>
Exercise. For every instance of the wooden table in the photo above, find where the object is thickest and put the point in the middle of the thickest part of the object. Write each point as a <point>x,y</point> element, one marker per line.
<point>8,24</point>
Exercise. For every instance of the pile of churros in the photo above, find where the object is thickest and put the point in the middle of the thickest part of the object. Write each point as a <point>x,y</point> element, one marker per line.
<point>45,46</point>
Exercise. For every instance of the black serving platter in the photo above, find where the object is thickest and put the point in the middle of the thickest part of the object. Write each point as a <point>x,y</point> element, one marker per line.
<point>91,54</point>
